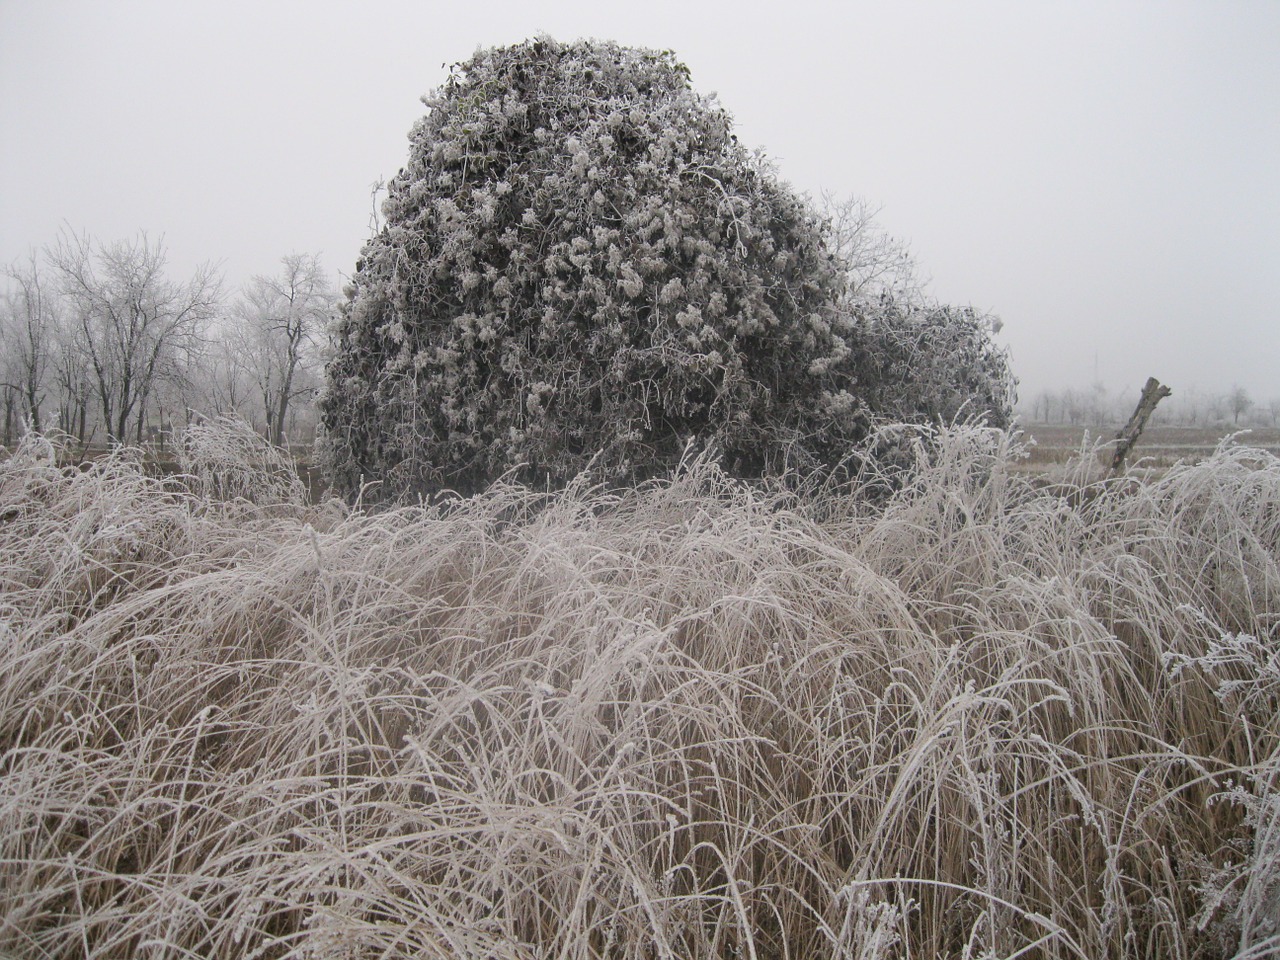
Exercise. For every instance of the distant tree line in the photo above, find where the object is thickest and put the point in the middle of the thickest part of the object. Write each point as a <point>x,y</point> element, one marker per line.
<point>1095,406</point>
<point>101,341</point>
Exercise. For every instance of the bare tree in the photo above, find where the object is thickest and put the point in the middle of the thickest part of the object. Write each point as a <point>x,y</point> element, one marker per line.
<point>1239,401</point>
<point>74,380</point>
<point>281,320</point>
<point>228,383</point>
<point>134,325</point>
<point>1097,405</point>
<point>1042,406</point>
<point>28,321</point>
<point>876,262</point>
<point>9,405</point>
<point>1189,404</point>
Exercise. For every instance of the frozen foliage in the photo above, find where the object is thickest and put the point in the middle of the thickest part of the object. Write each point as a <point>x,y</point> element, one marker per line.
<point>580,264</point>
<point>225,457</point>
<point>976,719</point>
<point>930,362</point>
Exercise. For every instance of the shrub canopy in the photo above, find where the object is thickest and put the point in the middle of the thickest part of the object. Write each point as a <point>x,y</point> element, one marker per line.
<point>931,362</point>
<point>581,263</point>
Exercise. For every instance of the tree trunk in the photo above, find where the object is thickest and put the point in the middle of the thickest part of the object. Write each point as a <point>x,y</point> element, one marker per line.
<point>140,423</point>
<point>1152,394</point>
<point>8,418</point>
<point>33,405</point>
<point>282,408</point>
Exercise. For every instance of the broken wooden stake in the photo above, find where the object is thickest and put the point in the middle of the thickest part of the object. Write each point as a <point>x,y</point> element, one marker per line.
<point>1152,394</point>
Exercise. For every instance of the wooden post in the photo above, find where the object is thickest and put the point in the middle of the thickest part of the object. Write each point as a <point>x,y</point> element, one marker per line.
<point>1152,394</point>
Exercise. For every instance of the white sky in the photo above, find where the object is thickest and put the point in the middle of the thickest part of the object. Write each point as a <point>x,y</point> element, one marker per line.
<point>1104,175</point>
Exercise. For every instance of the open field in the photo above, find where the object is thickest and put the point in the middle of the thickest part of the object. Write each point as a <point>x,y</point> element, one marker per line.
<point>1052,444</point>
<point>969,716</point>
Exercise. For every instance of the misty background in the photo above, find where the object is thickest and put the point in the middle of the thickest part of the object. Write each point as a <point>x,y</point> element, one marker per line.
<point>1100,175</point>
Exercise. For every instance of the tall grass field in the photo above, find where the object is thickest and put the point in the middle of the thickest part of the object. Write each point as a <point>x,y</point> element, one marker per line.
<point>945,712</point>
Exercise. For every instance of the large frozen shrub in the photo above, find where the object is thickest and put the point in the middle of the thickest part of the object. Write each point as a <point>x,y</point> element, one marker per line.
<point>580,257</point>
<point>581,263</point>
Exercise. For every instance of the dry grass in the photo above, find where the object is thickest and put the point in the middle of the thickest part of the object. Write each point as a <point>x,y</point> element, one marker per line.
<point>972,719</point>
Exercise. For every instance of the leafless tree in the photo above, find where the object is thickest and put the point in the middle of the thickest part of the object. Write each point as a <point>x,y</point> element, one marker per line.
<point>72,378</point>
<point>877,263</point>
<point>8,408</point>
<point>1042,406</point>
<point>1239,401</point>
<point>281,321</point>
<point>1097,404</point>
<point>134,325</point>
<point>227,384</point>
<point>27,325</point>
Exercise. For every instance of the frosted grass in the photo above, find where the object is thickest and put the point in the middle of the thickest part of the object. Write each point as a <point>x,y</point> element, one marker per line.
<point>965,717</point>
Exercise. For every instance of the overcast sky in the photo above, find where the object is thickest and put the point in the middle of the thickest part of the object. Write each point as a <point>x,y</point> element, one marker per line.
<point>1105,176</point>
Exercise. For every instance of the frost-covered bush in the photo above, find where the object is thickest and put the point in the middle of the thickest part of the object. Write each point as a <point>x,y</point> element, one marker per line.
<point>581,259</point>
<point>928,362</point>
<point>225,457</point>
<point>581,265</point>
